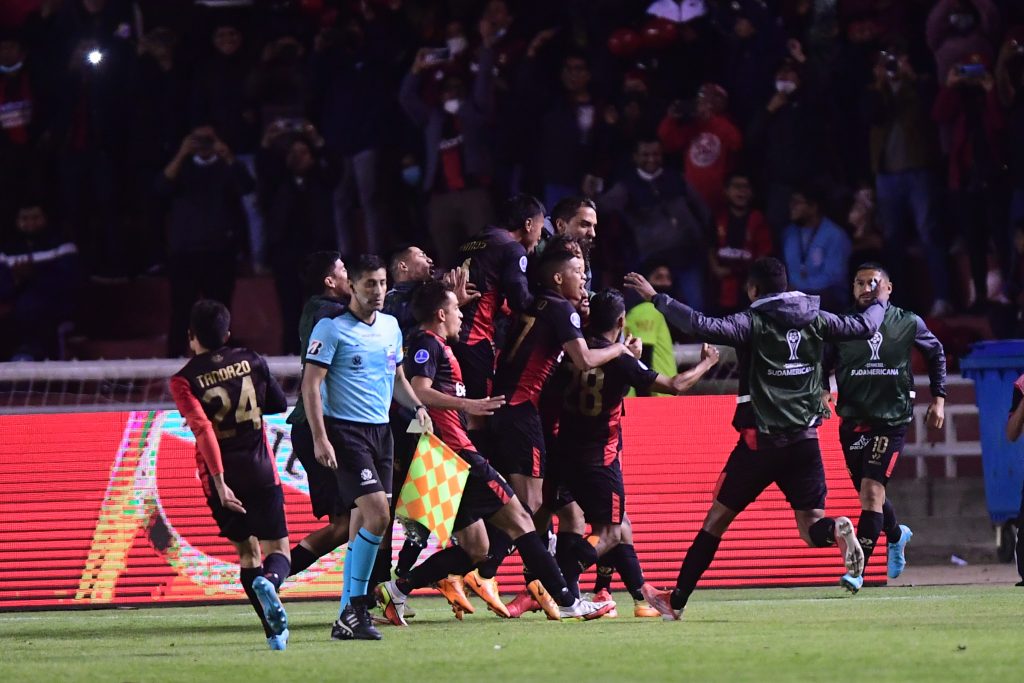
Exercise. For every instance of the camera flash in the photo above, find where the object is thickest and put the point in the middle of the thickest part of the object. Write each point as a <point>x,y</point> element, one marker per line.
<point>94,57</point>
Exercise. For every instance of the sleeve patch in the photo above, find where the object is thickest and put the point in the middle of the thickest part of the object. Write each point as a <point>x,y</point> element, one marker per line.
<point>314,347</point>
<point>421,356</point>
<point>522,263</point>
<point>575,320</point>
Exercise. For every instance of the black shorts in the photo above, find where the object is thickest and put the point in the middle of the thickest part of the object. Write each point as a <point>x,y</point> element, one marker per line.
<point>263,518</point>
<point>556,494</point>
<point>518,441</point>
<point>477,364</point>
<point>796,469</point>
<point>365,455</point>
<point>486,492</point>
<point>598,489</point>
<point>871,452</point>
<point>324,495</point>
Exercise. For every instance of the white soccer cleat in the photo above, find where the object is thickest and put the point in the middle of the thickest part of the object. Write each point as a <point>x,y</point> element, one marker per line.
<point>585,610</point>
<point>849,546</point>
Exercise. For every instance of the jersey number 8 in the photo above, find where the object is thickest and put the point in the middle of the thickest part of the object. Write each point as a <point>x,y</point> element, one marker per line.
<point>586,388</point>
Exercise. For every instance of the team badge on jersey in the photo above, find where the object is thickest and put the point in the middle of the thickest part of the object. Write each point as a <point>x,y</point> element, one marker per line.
<point>575,319</point>
<point>421,356</point>
<point>522,263</point>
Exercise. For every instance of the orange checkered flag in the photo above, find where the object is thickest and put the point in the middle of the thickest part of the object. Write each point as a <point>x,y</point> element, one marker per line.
<point>433,490</point>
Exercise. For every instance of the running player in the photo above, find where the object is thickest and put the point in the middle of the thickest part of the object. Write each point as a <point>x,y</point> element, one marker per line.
<point>437,380</point>
<point>358,356</point>
<point>779,342</point>
<point>876,403</point>
<point>1014,428</point>
<point>324,273</point>
<point>223,393</point>
<point>589,442</point>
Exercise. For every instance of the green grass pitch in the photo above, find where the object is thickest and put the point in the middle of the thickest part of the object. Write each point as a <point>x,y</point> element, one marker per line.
<point>970,634</point>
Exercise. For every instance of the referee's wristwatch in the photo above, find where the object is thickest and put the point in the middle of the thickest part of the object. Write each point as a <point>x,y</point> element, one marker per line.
<point>417,408</point>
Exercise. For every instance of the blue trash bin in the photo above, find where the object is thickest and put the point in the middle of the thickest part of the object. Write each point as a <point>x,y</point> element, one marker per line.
<point>995,366</point>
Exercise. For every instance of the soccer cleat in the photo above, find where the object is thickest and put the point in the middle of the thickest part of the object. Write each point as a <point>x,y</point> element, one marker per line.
<point>409,613</point>
<point>849,546</point>
<point>661,601</point>
<point>521,604</point>
<point>392,602</point>
<point>544,599</point>
<point>273,610</point>
<point>355,622</point>
<point>454,591</point>
<point>278,642</point>
<point>604,596</point>
<point>584,610</point>
<point>897,559</point>
<point>487,589</point>
<point>850,583</point>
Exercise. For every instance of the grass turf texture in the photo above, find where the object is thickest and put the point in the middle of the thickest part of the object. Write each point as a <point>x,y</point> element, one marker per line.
<point>803,634</point>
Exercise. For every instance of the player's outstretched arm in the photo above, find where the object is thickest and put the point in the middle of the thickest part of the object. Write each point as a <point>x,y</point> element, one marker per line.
<point>685,381</point>
<point>432,398</point>
<point>733,330</point>
<point>861,325</point>
<point>312,378</point>
<point>586,358</point>
<point>931,348</point>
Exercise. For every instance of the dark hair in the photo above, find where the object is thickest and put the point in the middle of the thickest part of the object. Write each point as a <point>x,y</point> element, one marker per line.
<point>606,307</point>
<point>209,323</point>
<point>769,276</point>
<point>567,207</point>
<point>553,261</point>
<point>873,265</point>
<point>647,137</point>
<point>738,173</point>
<point>518,209</point>
<point>317,266</point>
<point>366,263</point>
<point>397,256</point>
<point>428,299</point>
<point>814,194</point>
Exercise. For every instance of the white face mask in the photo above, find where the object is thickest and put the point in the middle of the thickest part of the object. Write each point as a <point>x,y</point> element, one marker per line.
<point>452,106</point>
<point>644,175</point>
<point>457,45</point>
<point>13,68</point>
<point>785,87</point>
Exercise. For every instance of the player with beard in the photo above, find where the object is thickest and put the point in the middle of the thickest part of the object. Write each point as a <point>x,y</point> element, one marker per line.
<point>876,403</point>
<point>779,342</point>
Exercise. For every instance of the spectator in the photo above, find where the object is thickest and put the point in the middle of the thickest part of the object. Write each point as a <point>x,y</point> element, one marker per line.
<point>204,184</point>
<point>296,189</point>
<point>788,135</point>
<point>816,250</point>
<point>958,28</point>
<point>219,97</point>
<point>867,244</point>
<point>752,47</point>
<point>666,218</point>
<point>968,105</point>
<point>1010,88</point>
<point>741,237</point>
<point>280,86</point>
<point>709,142</point>
<point>903,151</point>
<point>646,323</point>
<point>39,278</point>
<point>458,156</point>
<point>18,125</point>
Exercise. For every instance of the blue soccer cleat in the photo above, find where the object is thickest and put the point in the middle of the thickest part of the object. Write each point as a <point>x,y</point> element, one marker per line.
<point>273,610</point>
<point>897,559</point>
<point>279,642</point>
<point>851,583</point>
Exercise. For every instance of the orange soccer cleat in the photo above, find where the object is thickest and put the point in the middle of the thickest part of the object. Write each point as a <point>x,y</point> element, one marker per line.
<point>487,589</point>
<point>453,590</point>
<point>544,599</point>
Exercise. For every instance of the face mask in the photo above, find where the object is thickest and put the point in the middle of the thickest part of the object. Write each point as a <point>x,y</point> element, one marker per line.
<point>785,87</point>
<point>649,176</point>
<point>452,106</point>
<point>412,176</point>
<point>13,68</point>
<point>457,45</point>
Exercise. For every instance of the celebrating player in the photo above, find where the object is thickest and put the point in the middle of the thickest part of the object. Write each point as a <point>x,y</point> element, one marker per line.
<point>325,271</point>
<point>358,356</point>
<point>779,342</point>
<point>223,393</point>
<point>436,378</point>
<point>876,403</point>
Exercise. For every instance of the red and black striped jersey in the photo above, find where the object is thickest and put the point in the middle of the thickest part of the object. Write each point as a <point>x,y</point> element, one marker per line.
<point>428,355</point>
<point>223,395</point>
<point>497,267</point>
<point>534,348</point>
<point>590,423</point>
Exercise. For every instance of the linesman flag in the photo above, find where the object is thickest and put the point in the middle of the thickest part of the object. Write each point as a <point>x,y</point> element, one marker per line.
<point>433,490</point>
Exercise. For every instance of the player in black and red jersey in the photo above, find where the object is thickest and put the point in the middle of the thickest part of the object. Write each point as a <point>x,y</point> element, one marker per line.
<point>223,393</point>
<point>436,378</point>
<point>589,444</point>
<point>496,260</point>
<point>550,328</point>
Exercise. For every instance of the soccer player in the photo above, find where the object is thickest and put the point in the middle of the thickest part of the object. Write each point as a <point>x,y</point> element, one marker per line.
<point>324,272</point>
<point>589,442</point>
<point>437,380</point>
<point>356,359</point>
<point>550,328</point>
<point>223,393</point>
<point>779,341</point>
<point>576,217</point>
<point>876,403</point>
<point>1014,428</point>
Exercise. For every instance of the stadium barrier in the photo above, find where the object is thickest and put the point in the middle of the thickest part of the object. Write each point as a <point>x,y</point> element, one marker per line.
<point>104,508</point>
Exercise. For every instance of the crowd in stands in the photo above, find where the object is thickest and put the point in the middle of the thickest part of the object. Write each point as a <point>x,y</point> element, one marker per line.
<point>199,140</point>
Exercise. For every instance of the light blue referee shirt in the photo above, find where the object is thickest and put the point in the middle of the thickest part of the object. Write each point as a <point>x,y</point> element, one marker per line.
<point>361,360</point>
